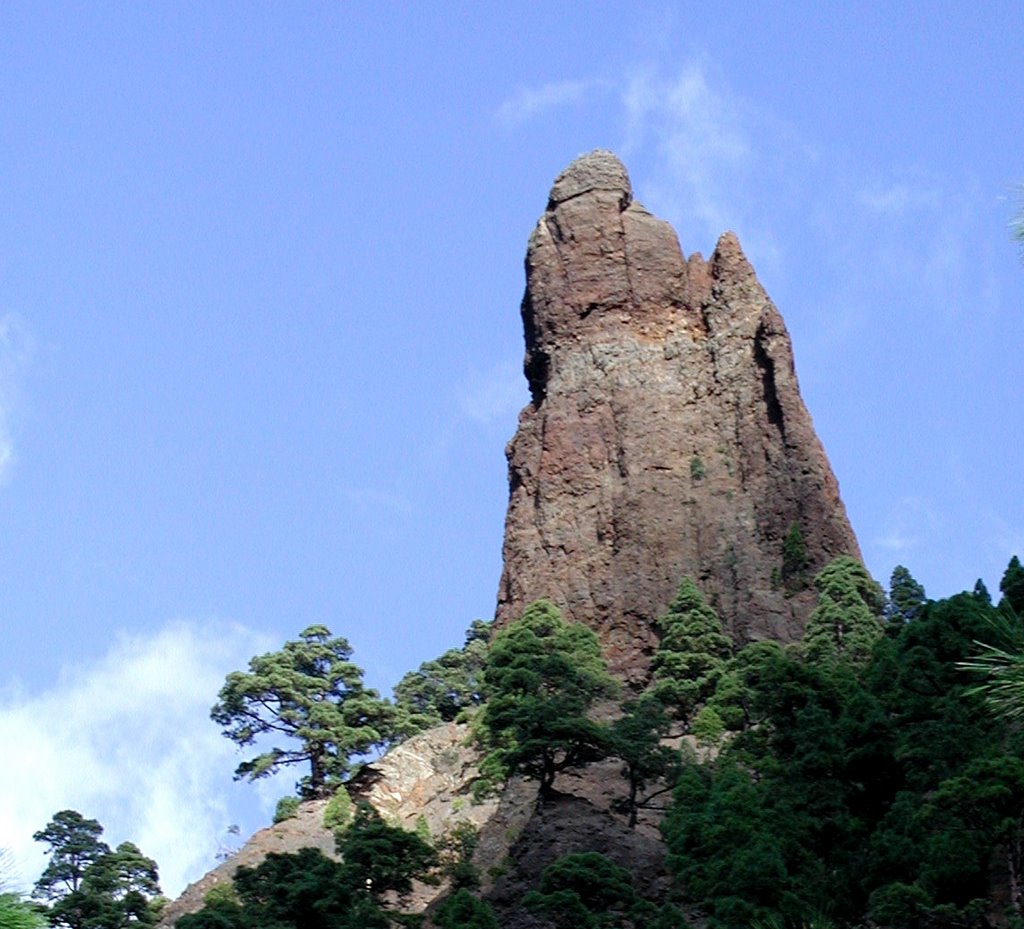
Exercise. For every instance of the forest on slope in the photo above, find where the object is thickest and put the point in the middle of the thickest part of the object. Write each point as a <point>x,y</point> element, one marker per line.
<point>871,774</point>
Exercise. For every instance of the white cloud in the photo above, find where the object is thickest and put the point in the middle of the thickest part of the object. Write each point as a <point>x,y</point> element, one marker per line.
<point>494,395</point>
<point>706,158</point>
<point>530,102</point>
<point>909,190</point>
<point>892,200</point>
<point>370,501</point>
<point>16,346</point>
<point>128,741</point>
<point>909,519</point>
<point>700,143</point>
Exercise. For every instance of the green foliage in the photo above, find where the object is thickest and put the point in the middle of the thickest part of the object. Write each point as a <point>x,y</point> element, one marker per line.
<point>73,844</point>
<point>584,890</point>
<point>906,597</point>
<point>88,885</point>
<point>462,910</point>
<point>119,889</point>
<point>305,890</point>
<point>795,562</point>
<point>309,692</point>
<point>736,689</point>
<point>16,913</point>
<point>697,470</point>
<point>338,812</point>
<point>542,675</point>
<point>708,727</point>
<point>221,894</point>
<point>691,654</point>
<point>443,688</point>
<point>1003,686</point>
<point>286,808</point>
<point>380,857</point>
<point>455,851</point>
<point>635,737</point>
<point>1000,663</point>
<point>308,890</point>
<point>846,623</point>
<point>873,791</point>
<point>1012,587</point>
<point>899,904</point>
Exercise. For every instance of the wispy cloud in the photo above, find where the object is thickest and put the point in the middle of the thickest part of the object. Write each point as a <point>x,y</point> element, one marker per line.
<point>698,140</point>
<point>896,199</point>
<point>921,230</point>
<point>16,345</point>
<point>369,500</point>
<point>530,102</point>
<point>494,395</point>
<point>128,741</point>
<point>486,401</point>
<point>910,519</point>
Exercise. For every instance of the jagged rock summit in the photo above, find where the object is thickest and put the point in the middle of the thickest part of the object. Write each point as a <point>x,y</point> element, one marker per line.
<point>666,434</point>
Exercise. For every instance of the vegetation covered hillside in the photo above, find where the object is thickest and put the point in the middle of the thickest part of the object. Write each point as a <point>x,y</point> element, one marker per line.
<point>871,774</point>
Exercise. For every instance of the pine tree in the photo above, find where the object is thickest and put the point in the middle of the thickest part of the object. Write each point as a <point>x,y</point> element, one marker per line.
<point>74,845</point>
<point>636,740</point>
<point>906,597</point>
<point>691,654</point>
<point>1012,587</point>
<point>442,688</point>
<point>309,692</point>
<point>846,623</point>
<point>542,676</point>
<point>90,886</point>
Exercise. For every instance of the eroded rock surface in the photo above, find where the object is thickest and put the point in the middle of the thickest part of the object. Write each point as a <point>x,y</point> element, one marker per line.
<point>426,779</point>
<point>666,434</point>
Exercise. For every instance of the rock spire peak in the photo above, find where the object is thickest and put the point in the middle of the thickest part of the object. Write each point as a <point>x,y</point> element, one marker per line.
<point>596,170</point>
<point>666,437</point>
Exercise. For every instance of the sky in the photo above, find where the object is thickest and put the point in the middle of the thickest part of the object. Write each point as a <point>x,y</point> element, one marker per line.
<point>260,344</point>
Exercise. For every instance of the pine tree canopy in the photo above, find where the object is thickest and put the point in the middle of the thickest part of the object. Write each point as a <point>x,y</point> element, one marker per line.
<point>311,695</point>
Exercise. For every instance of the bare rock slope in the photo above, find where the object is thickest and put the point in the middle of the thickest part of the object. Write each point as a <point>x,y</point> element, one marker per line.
<point>666,434</point>
<point>426,779</point>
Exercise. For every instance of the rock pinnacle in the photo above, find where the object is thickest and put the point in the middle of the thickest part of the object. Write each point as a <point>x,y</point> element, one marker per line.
<point>666,436</point>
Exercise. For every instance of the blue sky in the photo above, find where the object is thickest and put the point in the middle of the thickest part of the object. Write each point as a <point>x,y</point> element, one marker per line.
<point>260,270</point>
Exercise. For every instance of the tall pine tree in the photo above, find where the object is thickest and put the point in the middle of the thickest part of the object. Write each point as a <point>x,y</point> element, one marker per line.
<point>846,623</point>
<point>692,653</point>
<point>906,597</point>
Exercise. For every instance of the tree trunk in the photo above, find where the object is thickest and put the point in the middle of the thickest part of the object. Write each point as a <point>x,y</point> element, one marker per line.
<point>1013,861</point>
<point>316,774</point>
<point>547,781</point>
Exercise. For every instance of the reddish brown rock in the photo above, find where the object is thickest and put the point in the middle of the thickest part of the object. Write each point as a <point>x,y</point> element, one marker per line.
<point>666,435</point>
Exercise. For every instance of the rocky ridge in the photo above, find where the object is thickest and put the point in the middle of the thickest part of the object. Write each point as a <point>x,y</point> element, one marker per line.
<point>425,779</point>
<point>427,782</point>
<point>666,435</point>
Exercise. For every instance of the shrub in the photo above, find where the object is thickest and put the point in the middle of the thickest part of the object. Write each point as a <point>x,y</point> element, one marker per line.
<point>286,808</point>
<point>338,812</point>
<point>464,911</point>
<point>708,727</point>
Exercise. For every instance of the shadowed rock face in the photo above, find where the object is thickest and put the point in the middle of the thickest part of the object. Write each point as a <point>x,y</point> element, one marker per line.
<point>666,434</point>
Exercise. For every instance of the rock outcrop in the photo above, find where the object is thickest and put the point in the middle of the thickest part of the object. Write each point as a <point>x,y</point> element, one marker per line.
<point>425,782</point>
<point>666,434</point>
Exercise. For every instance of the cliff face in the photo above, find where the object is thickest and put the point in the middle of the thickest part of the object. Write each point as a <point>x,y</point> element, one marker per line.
<point>666,434</point>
